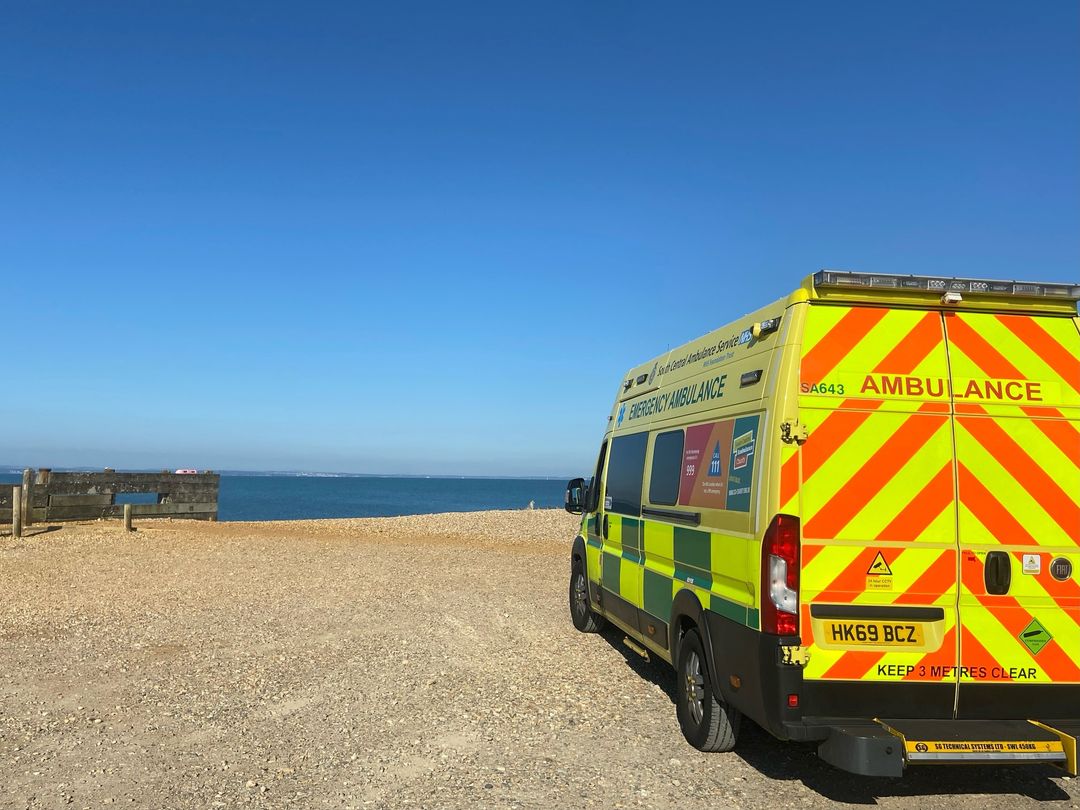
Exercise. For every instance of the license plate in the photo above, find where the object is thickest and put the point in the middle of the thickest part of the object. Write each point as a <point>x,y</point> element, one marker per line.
<point>845,633</point>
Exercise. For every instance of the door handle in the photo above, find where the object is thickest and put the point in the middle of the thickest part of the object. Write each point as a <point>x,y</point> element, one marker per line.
<point>997,572</point>
<point>605,525</point>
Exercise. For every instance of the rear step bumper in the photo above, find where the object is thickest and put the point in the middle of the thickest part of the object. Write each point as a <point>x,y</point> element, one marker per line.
<point>886,747</point>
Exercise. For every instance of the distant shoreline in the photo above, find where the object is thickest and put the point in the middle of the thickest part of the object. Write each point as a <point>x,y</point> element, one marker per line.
<point>12,470</point>
<point>245,496</point>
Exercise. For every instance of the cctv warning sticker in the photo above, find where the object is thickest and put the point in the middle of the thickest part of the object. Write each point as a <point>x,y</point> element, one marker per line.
<point>879,574</point>
<point>879,567</point>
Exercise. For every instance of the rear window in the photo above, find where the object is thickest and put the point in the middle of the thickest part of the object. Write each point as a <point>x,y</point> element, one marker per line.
<point>625,469</point>
<point>666,466</point>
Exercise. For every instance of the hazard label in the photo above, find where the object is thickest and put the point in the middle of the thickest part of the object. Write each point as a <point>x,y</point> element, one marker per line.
<point>879,567</point>
<point>1035,636</point>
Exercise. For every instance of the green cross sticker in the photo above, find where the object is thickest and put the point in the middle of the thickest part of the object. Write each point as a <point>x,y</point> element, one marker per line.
<point>1035,636</point>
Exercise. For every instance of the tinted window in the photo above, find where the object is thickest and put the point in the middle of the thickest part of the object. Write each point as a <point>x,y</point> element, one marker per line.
<point>666,465</point>
<point>592,500</point>
<point>624,473</point>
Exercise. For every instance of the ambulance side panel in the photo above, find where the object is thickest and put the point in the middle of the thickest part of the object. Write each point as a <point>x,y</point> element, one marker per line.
<point>676,531</point>
<point>711,486</point>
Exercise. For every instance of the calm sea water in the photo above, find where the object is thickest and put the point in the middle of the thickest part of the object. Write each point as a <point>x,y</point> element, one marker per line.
<point>287,497</point>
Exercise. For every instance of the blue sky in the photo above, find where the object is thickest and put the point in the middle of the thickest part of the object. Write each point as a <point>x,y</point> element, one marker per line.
<point>430,237</point>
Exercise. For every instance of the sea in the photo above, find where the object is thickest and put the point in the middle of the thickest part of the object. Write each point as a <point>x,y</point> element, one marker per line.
<point>304,497</point>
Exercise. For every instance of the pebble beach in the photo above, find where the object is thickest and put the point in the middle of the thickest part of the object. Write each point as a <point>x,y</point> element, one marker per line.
<point>421,661</point>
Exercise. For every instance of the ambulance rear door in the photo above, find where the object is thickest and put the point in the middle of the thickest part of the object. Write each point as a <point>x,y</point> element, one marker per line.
<point>1016,388</point>
<point>878,519</point>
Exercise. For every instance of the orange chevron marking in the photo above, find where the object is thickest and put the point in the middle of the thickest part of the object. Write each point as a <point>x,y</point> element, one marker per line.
<point>1027,472</point>
<point>853,665</point>
<point>1041,412</point>
<point>938,579</point>
<point>1061,360</point>
<point>868,481</point>
<point>934,407</point>
<point>1064,435</point>
<point>944,657</point>
<point>973,653</point>
<point>914,348</point>
<point>789,479</point>
<point>996,518</point>
<point>808,553</point>
<point>1008,612</point>
<point>979,350</point>
<point>1065,593</point>
<point>827,438</point>
<point>1050,421</point>
<point>837,342</point>
<point>806,632</point>
<point>921,510</point>
<point>851,581</point>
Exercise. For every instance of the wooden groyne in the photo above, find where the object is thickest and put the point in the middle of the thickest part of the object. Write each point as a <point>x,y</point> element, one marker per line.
<point>47,496</point>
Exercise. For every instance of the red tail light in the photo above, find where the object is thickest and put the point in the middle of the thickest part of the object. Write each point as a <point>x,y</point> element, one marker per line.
<point>780,577</point>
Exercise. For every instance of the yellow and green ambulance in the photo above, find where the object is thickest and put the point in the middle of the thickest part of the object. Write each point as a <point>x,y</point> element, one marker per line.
<point>853,517</point>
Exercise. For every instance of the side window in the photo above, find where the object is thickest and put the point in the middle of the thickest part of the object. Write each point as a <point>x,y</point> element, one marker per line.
<point>593,500</point>
<point>666,468</point>
<point>624,473</point>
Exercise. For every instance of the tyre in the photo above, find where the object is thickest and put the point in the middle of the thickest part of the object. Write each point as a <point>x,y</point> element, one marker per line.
<point>580,613</point>
<point>707,722</point>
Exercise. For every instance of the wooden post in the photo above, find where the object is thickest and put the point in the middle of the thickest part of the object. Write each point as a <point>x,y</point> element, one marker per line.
<point>127,518</point>
<point>16,511</point>
<point>41,479</point>
<point>28,497</point>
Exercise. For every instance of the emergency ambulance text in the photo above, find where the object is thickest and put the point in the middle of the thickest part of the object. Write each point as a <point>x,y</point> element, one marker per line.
<point>679,398</point>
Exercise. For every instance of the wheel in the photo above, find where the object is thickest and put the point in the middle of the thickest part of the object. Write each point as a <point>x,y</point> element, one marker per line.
<point>707,722</point>
<point>580,613</point>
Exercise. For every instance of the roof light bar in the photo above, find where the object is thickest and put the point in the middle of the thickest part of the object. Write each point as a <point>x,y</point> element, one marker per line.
<point>943,284</point>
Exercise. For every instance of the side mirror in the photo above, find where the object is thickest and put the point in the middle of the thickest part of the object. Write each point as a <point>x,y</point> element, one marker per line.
<point>592,495</point>
<point>575,496</point>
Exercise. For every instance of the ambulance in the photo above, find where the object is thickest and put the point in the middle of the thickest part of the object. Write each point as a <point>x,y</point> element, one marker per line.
<point>853,517</point>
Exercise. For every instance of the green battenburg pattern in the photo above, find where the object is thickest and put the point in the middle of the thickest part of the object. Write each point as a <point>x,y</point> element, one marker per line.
<point>631,536</point>
<point>693,549</point>
<point>657,595</point>
<point>592,535</point>
<point>692,552</point>
<point>610,572</point>
<point>733,610</point>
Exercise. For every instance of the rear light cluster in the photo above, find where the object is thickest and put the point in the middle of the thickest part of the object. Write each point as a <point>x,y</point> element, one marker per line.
<point>780,577</point>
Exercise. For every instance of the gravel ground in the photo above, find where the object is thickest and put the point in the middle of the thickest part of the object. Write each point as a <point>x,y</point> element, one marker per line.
<point>403,662</point>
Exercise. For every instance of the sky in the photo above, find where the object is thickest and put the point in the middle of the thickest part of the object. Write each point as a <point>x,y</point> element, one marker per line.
<point>429,238</point>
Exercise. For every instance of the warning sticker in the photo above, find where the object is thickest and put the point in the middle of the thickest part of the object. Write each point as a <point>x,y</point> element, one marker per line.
<point>879,574</point>
<point>879,567</point>
<point>1035,636</point>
